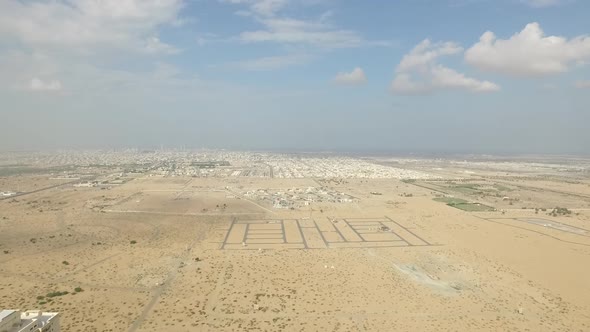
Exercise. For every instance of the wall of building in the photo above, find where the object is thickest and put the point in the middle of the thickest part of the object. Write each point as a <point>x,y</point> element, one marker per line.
<point>9,323</point>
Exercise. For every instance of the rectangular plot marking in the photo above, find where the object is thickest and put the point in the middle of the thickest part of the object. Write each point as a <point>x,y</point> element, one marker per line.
<point>265,226</point>
<point>353,220</point>
<point>332,237</point>
<point>321,234</point>
<point>264,231</point>
<point>252,221</point>
<point>292,232</point>
<point>347,232</point>
<point>313,238</point>
<point>256,241</point>
<point>325,225</point>
<point>264,236</point>
<point>306,223</point>
<point>256,246</point>
<point>236,235</point>
<point>364,224</point>
<point>361,232</point>
<point>365,229</point>
<point>404,234</point>
<point>377,237</point>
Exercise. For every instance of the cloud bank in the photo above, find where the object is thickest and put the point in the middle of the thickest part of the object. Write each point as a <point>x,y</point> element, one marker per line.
<point>528,53</point>
<point>420,73</point>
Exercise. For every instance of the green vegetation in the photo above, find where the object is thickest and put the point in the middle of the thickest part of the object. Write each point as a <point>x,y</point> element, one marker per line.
<point>48,297</point>
<point>473,207</point>
<point>559,211</point>
<point>9,171</point>
<point>133,242</point>
<point>489,189</point>
<point>467,189</point>
<point>464,205</point>
<point>57,293</point>
<point>65,263</point>
<point>24,169</point>
<point>450,200</point>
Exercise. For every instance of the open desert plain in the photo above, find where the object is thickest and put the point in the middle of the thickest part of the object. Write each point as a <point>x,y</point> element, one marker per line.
<point>183,241</point>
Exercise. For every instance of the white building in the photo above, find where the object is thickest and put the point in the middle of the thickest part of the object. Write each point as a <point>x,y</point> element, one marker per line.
<point>85,185</point>
<point>26,321</point>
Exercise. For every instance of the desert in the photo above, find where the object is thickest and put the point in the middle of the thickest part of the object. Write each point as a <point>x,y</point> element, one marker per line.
<point>156,250</point>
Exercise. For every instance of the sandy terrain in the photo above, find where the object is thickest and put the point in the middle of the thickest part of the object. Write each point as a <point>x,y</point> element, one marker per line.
<point>188,254</point>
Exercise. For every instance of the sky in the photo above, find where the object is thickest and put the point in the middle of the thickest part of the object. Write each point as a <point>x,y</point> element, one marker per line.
<point>474,76</point>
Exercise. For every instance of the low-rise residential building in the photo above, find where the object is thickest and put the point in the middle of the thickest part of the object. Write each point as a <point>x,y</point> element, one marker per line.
<point>26,321</point>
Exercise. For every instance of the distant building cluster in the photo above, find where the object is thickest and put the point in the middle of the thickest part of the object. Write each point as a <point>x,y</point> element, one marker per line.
<point>298,197</point>
<point>29,321</point>
<point>339,167</point>
<point>205,163</point>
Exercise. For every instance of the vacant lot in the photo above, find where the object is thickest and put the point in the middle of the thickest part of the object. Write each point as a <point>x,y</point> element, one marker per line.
<point>149,255</point>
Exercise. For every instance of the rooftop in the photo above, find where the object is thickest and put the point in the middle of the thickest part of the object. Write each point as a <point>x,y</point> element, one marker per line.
<point>6,313</point>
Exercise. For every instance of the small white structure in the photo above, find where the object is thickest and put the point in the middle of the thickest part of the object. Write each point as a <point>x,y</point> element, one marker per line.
<point>7,193</point>
<point>34,320</point>
<point>85,185</point>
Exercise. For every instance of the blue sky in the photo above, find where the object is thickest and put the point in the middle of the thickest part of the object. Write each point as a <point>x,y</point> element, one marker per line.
<point>479,76</point>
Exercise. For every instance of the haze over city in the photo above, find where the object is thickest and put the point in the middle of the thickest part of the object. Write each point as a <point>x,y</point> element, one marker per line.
<point>507,76</point>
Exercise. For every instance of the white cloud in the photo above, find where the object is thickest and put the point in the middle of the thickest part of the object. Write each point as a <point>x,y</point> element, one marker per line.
<point>84,23</point>
<point>39,85</point>
<point>268,7</point>
<point>420,73</point>
<point>582,84</point>
<point>260,7</point>
<point>528,53</point>
<point>293,31</point>
<point>272,62</point>
<point>154,45</point>
<point>443,77</point>
<point>282,29</point>
<point>355,77</point>
<point>425,53</point>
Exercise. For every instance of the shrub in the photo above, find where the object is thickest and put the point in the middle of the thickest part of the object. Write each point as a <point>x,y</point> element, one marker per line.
<point>57,293</point>
<point>560,211</point>
<point>133,242</point>
<point>78,290</point>
<point>65,263</point>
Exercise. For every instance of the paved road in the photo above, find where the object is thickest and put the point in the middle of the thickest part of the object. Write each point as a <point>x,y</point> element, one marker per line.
<point>50,187</point>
